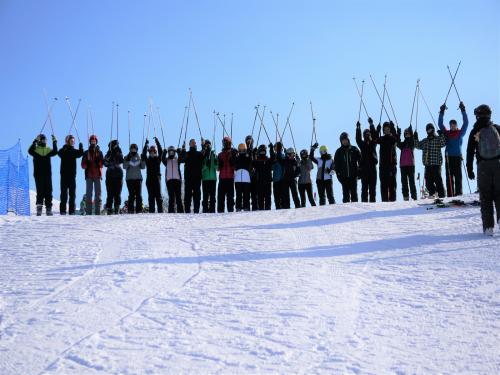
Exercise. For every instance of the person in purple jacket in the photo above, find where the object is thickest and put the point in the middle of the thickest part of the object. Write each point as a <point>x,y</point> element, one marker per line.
<point>407,163</point>
<point>454,137</point>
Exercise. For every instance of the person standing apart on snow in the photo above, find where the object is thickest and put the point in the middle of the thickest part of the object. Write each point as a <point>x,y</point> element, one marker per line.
<point>324,182</point>
<point>133,163</point>
<point>454,138</point>
<point>369,161</point>
<point>209,177</point>
<point>173,178</point>
<point>225,165</point>
<point>113,161</point>
<point>432,159</point>
<point>68,155</point>
<point>153,175</point>
<point>387,161</point>
<point>305,182</point>
<point>346,166</point>
<point>407,164</point>
<point>484,143</point>
<point>193,160</point>
<point>92,162</point>
<point>42,171</point>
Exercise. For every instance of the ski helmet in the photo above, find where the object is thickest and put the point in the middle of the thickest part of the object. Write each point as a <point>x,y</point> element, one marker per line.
<point>41,139</point>
<point>304,154</point>
<point>290,151</point>
<point>93,137</point>
<point>152,149</point>
<point>262,150</point>
<point>133,146</point>
<point>429,128</point>
<point>68,139</point>
<point>113,144</point>
<point>226,142</point>
<point>242,147</point>
<point>482,111</point>
<point>367,133</point>
<point>323,150</point>
<point>171,151</point>
<point>343,136</point>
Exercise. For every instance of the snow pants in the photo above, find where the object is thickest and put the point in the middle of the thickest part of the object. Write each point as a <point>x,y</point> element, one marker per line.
<point>488,182</point>
<point>134,196</point>
<point>68,194</point>
<point>174,196</point>
<point>369,184</point>
<point>433,180</point>
<point>209,188</point>
<point>408,182</point>
<point>114,187</point>
<point>225,191</point>
<point>303,189</point>
<point>453,169</point>
<point>325,187</point>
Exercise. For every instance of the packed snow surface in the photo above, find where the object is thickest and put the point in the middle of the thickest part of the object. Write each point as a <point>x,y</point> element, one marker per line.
<point>357,288</point>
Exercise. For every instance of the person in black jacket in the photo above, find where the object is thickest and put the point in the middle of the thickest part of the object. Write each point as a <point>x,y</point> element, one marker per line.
<point>291,170</point>
<point>113,161</point>
<point>369,161</point>
<point>193,163</point>
<point>484,144</point>
<point>42,171</point>
<point>254,189</point>
<point>263,167</point>
<point>68,155</point>
<point>153,175</point>
<point>387,161</point>
<point>242,181</point>
<point>346,165</point>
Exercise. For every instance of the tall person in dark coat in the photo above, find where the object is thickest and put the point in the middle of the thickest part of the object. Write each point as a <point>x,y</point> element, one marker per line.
<point>68,155</point>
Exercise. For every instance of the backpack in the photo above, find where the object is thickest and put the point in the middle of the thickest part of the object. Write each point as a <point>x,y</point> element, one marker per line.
<point>488,142</point>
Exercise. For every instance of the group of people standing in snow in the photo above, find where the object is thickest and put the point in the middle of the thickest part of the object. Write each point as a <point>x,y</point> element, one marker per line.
<point>247,177</point>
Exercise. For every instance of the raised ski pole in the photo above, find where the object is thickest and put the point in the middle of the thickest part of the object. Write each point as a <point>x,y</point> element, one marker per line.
<point>48,111</point>
<point>452,82</point>
<point>91,120</point>
<point>231,126</point>
<point>360,98</point>
<point>88,134</point>
<point>187,118</point>
<point>117,107</point>
<point>129,129</point>
<point>112,121</point>
<point>161,125</point>
<point>428,109</point>
<point>392,108</point>
<point>224,131</point>
<point>195,112</point>
<point>360,94</point>
<point>287,123</point>
<point>182,126</point>
<point>73,117</point>
<point>414,99</point>
<point>49,115</point>
<point>383,100</point>
<point>378,94</point>
<point>261,119</point>
<point>255,118</point>
<point>143,128</point>
<point>313,134</point>
<point>215,128</point>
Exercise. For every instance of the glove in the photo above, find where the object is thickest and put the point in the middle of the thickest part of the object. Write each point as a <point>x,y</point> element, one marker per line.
<point>415,134</point>
<point>184,146</point>
<point>370,120</point>
<point>462,106</point>
<point>379,128</point>
<point>147,142</point>
<point>270,145</point>
<point>471,174</point>
<point>97,149</point>
<point>80,146</point>
<point>35,141</point>
<point>398,130</point>
<point>155,139</point>
<point>54,138</point>
<point>315,146</point>
<point>358,125</point>
<point>392,124</point>
<point>440,132</point>
<point>179,150</point>
<point>442,108</point>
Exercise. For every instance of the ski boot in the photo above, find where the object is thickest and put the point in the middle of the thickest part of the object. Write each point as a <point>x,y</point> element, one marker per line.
<point>488,232</point>
<point>48,211</point>
<point>39,209</point>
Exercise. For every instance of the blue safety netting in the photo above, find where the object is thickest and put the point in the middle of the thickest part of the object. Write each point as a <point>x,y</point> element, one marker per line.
<point>14,182</point>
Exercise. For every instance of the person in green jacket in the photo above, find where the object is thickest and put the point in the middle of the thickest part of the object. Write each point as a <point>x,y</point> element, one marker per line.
<point>209,177</point>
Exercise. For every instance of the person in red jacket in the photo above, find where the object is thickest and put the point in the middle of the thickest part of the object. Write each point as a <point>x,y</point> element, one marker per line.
<point>225,166</point>
<point>92,162</point>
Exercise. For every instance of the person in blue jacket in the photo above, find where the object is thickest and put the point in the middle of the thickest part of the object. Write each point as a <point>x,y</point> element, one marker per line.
<point>454,138</point>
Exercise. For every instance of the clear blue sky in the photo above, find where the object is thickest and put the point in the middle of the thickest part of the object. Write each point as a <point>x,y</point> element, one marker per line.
<point>236,54</point>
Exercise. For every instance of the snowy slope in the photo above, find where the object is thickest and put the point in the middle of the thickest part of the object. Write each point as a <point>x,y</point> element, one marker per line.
<point>360,288</point>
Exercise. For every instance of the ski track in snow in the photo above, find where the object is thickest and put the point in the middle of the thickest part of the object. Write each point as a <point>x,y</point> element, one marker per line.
<point>358,288</point>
